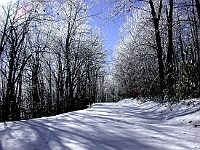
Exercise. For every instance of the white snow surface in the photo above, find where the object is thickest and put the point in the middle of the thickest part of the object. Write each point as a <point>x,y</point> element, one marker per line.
<point>125,125</point>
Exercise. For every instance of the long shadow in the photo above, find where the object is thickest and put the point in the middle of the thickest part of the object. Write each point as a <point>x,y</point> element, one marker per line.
<point>80,136</point>
<point>103,127</point>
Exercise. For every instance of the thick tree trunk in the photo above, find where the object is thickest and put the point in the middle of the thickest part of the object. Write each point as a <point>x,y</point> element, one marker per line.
<point>170,72</point>
<point>10,86</point>
<point>69,75</point>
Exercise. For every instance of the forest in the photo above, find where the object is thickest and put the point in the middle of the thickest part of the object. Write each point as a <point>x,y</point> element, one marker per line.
<point>52,61</point>
<point>158,53</point>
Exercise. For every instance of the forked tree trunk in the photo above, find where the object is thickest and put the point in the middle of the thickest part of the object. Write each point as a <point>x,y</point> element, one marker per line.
<point>156,20</point>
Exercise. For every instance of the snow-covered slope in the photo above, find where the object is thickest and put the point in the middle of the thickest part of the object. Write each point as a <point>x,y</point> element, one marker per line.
<point>126,125</point>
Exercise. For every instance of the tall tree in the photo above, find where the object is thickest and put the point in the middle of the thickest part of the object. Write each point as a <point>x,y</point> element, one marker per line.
<point>156,20</point>
<point>170,51</point>
<point>124,6</point>
<point>17,24</point>
<point>175,22</point>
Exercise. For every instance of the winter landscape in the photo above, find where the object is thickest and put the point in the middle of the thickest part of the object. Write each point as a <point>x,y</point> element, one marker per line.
<point>125,125</point>
<point>57,57</point>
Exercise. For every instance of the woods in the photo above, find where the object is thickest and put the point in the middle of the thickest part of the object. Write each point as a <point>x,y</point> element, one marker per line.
<point>53,61</point>
<point>159,46</point>
<point>49,62</point>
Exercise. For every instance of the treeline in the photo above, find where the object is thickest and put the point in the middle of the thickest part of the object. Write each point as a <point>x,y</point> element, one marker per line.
<point>51,60</point>
<point>158,55</point>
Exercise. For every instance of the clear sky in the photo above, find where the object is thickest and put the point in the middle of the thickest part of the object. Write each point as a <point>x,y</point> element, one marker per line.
<point>109,28</point>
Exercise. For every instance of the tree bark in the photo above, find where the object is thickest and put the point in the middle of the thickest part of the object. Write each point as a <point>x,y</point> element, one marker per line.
<point>169,74</point>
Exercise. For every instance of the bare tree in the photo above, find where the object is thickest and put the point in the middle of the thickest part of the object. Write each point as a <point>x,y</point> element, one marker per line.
<point>15,32</point>
<point>175,28</point>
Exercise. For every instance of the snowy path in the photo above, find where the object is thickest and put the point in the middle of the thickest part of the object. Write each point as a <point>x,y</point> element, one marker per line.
<point>126,125</point>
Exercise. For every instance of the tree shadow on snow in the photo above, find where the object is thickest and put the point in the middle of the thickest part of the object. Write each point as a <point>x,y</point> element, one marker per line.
<point>102,128</point>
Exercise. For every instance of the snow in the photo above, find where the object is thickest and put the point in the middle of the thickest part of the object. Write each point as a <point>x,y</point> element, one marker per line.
<point>126,125</point>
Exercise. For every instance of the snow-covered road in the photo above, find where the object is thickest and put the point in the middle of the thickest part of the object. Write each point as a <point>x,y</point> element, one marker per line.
<point>126,125</point>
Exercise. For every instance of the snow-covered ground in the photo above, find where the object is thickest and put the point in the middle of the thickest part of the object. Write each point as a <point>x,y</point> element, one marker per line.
<point>126,125</point>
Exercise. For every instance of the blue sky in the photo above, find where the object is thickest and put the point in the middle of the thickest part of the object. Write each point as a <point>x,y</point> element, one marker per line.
<point>110,29</point>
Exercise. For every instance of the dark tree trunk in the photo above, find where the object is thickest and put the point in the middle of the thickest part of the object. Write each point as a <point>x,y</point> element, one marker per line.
<point>69,75</point>
<point>35,89</point>
<point>9,98</point>
<point>198,8</point>
<point>170,71</point>
<point>156,19</point>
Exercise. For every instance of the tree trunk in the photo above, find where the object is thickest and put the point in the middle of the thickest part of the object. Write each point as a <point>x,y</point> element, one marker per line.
<point>35,89</point>
<point>198,8</point>
<point>170,72</point>
<point>69,75</point>
<point>156,19</point>
<point>10,85</point>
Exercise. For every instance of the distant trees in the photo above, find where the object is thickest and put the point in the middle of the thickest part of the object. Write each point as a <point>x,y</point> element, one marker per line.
<point>51,59</point>
<point>166,31</point>
<point>135,67</point>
